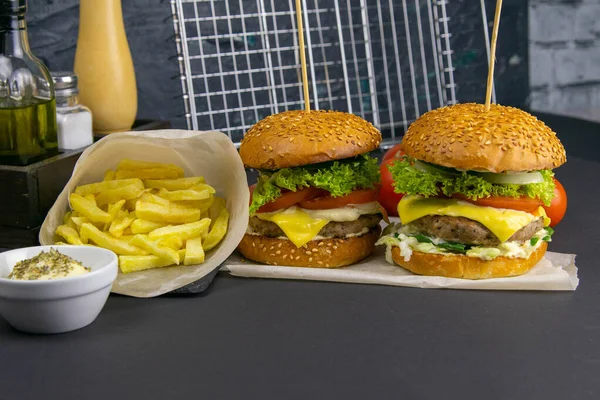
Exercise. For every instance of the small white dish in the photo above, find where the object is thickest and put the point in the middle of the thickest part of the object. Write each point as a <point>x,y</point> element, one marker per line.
<point>60,305</point>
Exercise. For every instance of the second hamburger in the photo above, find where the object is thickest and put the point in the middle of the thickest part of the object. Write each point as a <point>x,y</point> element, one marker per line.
<point>315,202</point>
<point>475,185</point>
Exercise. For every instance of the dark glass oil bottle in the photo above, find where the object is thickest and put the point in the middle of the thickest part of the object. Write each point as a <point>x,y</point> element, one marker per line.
<point>28,130</point>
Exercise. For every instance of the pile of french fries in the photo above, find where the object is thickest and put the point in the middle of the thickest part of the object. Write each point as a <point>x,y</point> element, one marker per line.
<point>149,214</point>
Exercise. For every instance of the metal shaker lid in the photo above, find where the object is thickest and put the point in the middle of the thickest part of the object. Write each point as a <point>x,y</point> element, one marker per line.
<point>13,7</point>
<point>64,80</point>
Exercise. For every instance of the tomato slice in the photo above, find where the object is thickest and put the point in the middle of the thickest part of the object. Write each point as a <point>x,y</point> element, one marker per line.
<point>523,203</point>
<point>557,209</point>
<point>288,198</point>
<point>359,196</point>
<point>387,197</point>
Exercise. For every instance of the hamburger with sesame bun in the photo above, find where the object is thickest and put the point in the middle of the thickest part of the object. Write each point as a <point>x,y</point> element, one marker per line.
<point>315,202</point>
<point>479,194</point>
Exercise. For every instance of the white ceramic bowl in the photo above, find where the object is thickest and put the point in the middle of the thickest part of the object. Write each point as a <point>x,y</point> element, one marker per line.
<point>60,305</point>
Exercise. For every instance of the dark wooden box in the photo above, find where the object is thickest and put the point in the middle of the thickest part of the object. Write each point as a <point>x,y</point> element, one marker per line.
<point>27,193</point>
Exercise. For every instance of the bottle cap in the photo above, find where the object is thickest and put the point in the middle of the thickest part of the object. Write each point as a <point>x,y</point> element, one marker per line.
<point>13,7</point>
<point>64,80</point>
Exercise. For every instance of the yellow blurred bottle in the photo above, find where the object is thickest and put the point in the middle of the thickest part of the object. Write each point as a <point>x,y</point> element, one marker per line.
<point>104,66</point>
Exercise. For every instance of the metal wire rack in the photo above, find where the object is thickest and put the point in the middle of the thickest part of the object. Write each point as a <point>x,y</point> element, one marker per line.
<point>387,61</point>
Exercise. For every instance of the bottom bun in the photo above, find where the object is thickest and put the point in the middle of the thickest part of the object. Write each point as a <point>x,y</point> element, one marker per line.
<point>323,253</point>
<point>459,266</point>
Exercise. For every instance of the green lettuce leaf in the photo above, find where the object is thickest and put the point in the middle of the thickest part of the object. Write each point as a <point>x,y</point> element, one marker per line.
<point>338,177</point>
<point>410,180</point>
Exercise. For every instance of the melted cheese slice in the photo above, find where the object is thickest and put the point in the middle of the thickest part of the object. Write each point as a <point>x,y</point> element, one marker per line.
<point>297,225</point>
<point>301,225</point>
<point>500,221</point>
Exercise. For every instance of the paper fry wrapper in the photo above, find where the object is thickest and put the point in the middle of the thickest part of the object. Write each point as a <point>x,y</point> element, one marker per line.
<point>208,154</point>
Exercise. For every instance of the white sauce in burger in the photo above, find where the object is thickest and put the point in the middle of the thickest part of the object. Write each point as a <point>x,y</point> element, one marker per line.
<point>344,214</point>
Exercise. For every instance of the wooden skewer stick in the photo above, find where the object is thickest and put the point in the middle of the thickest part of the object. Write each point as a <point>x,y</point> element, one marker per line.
<point>490,80</point>
<point>302,55</point>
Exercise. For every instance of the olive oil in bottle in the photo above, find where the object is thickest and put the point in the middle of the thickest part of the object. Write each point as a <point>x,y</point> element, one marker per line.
<point>27,131</point>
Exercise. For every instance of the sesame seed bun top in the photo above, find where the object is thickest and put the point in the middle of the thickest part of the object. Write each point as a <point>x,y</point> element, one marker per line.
<point>295,138</point>
<point>465,136</point>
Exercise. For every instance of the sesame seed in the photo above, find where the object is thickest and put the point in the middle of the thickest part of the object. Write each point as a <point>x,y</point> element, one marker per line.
<point>293,251</point>
<point>308,253</point>
<point>297,257</point>
<point>278,252</point>
<point>310,259</point>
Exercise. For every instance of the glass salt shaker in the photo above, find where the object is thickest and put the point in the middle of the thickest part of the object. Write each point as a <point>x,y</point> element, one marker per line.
<point>74,120</point>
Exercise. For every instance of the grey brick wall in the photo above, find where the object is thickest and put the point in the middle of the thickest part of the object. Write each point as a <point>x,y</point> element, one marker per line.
<point>564,53</point>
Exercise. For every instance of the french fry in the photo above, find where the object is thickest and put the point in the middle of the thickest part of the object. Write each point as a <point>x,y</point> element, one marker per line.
<point>202,205</point>
<point>215,209</point>
<point>194,253</point>
<point>172,242</point>
<point>127,164</point>
<point>188,194</point>
<point>150,173</point>
<point>68,221</point>
<point>174,184</point>
<point>184,232</point>
<point>121,193</point>
<point>78,221</point>
<point>105,240</point>
<point>152,198</point>
<point>201,187</point>
<point>67,217</point>
<point>109,175</point>
<point>144,226</point>
<point>218,230</point>
<point>118,225</point>
<point>158,213</point>
<point>88,209</point>
<point>98,187</point>
<point>143,242</point>
<point>91,198</point>
<point>69,234</point>
<point>113,210</point>
<point>140,263</point>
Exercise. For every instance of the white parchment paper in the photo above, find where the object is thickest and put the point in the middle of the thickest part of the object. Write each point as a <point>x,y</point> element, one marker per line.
<point>209,154</point>
<point>555,271</point>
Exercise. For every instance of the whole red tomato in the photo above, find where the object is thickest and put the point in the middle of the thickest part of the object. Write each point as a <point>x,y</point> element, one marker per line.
<point>558,207</point>
<point>394,152</point>
<point>387,197</point>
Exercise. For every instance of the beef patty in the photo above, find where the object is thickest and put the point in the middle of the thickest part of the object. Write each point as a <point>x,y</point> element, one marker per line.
<point>332,229</point>
<point>467,231</point>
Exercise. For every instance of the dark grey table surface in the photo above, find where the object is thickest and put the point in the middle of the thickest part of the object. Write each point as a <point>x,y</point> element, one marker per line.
<point>268,339</point>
